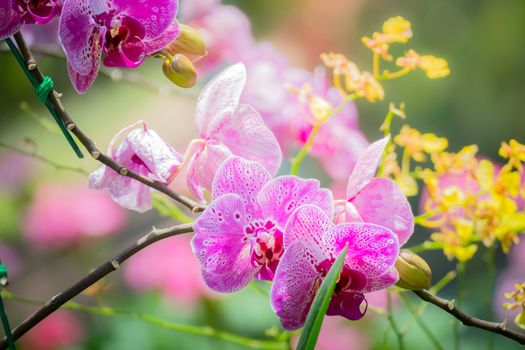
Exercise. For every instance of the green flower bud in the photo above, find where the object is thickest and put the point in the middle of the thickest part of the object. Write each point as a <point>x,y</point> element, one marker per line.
<point>189,42</point>
<point>414,272</point>
<point>180,71</point>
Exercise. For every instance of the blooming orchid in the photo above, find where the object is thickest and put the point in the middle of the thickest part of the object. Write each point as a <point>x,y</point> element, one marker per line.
<point>240,235</point>
<point>143,152</point>
<point>124,31</point>
<point>376,200</point>
<point>228,128</point>
<point>14,13</point>
<point>312,244</point>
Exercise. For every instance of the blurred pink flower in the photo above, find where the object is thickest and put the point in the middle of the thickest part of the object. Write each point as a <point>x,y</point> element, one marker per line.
<point>226,30</point>
<point>169,266</point>
<point>338,335</point>
<point>59,330</point>
<point>63,215</point>
<point>15,171</point>
<point>43,37</point>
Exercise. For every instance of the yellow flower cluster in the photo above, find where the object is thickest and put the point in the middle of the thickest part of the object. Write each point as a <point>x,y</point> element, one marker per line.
<point>318,110</point>
<point>518,297</point>
<point>473,200</point>
<point>395,30</point>
<point>349,79</point>
<point>433,66</point>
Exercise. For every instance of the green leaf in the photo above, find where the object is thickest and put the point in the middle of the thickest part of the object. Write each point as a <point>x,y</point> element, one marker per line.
<point>315,317</point>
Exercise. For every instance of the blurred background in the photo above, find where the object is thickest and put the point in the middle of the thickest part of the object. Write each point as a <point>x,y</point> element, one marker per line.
<point>53,229</point>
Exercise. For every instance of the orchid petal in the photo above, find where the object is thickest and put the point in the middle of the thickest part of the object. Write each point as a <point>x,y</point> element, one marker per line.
<point>204,165</point>
<point>294,285</point>
<point>383,281</point>
<point>281,196</point>
<point>154,45</point>
<point>10,21</point>
<point>348,305</point>
<point>381,202</point>
<point>155,15</point>
<point>372,249</point>
<point>221,245</point>
<point>246,135</point>
<point>365,168</point>
<point>244,178</point>
<point>220,97</point>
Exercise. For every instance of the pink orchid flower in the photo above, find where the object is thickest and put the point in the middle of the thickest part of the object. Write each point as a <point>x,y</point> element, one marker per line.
<point>240,235</point>
<point>145,153</point>
<point>124,31</point>
<point>15,13</point>
<point>62,329</point>
<point>228,128</point>
<point>312,244</point>
<point>374,200</point>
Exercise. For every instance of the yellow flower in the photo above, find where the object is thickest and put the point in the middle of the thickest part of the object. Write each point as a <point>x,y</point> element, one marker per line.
<point>417,144</point>
<point>407,184</point>
<point>514,152</point>
<point>399,29</point>
<point>370,88</point>
<point>464,160</point>
<point>378,44</point>
<point>434,67</point>
<point>517,298</point>
<point>348,79</point>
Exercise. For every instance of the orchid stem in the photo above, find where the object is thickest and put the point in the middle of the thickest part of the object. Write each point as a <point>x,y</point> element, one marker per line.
<point>296,162</point>
<point>393,324</point>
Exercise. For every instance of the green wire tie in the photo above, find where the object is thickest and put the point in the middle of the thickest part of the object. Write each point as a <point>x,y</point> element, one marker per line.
<point>42,91</point>
<point>3,315</point>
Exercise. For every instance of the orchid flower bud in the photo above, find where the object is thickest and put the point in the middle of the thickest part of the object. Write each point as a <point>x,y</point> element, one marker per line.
<point>180,71</point>
<point>414,272</point>
<point>189,42</point>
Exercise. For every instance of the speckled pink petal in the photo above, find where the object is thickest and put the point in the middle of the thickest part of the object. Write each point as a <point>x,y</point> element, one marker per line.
<point>155,15</point>
<point>219,98</point>
<point>383,281</point>
<point>221,245</point>
<point>244,178</point>
<point>381,202</point>
<point>80,82</point>
<point>372,249</point>
<point>350,305</point>
<point>203,167</point>
<point>281,196</point>
<point>365,168</point>
<point>294,286</point>
<point>10,21</point>
<point>163,40</point>
<point>161,158</point>
<point>82,39</point>
<point>309,224</point>
<point>246,135</point>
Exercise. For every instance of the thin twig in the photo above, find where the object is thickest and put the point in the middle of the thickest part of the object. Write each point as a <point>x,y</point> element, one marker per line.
<point>471,321</point>
<point>91,278</point>
<point>90,146</point>
<point>393,324</point>
<point>48,161</point>
<point>177,327</point>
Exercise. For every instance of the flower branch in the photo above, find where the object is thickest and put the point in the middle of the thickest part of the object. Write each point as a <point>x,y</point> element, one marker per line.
<point>91,278</point>
<point>471,321</point>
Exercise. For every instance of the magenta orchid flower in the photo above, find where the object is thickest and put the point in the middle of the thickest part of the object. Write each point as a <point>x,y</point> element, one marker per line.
<point>240,235</point>
<point>143,152</point>
<point>124,31</point>
<point>14,13</point>
<point>312,244</point>
<point>374,200</point>
<point>228,128</point>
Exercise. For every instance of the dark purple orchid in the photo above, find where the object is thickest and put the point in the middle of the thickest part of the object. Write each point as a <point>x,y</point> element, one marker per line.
<point>124,31</point>
<point>14,13</point>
